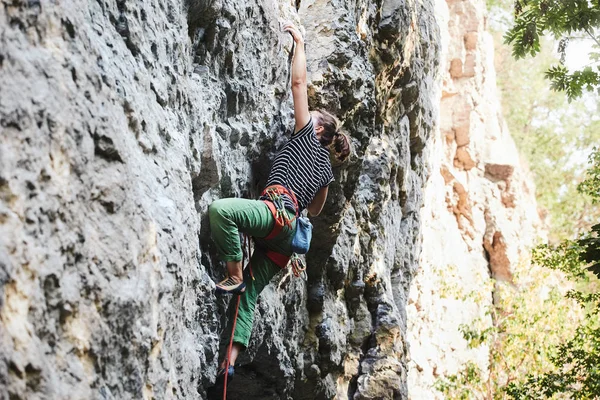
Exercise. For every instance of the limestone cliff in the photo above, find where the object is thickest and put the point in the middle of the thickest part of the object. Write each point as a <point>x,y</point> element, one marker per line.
<point>480,216</point>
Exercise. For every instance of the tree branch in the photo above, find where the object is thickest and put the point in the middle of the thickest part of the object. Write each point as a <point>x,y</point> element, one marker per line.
<point>594,38</point>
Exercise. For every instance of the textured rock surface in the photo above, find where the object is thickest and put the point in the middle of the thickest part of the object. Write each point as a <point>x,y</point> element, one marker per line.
<point>480,215</point>
<point>121,121</point>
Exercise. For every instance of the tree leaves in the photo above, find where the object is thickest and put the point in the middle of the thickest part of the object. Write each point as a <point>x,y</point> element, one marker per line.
<point>577,360</point>
<point>591,252</point>
<point>579,369</point>
<point>572,83</point>
<point>591,185</point>
<point>562,19</point>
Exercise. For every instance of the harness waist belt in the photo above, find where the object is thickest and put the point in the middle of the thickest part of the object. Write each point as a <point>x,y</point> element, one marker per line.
<point>277,208</point>
<point>280,260</point>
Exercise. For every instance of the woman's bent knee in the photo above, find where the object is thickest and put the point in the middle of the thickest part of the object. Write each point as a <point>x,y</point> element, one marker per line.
<point>217,210</point>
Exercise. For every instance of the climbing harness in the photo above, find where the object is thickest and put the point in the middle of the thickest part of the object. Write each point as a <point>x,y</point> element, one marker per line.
<point>274,194</point>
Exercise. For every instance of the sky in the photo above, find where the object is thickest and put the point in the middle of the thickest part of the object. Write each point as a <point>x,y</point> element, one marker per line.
<point>577,54</point>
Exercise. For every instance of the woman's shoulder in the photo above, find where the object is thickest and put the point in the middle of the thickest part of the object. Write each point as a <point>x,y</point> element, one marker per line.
<point>306,131</point>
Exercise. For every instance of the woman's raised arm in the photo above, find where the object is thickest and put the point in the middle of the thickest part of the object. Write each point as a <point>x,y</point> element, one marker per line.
<point>299,84</point>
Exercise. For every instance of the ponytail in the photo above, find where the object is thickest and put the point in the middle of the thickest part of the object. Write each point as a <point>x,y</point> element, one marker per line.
<point>341,146</point>
<point>332,136</point>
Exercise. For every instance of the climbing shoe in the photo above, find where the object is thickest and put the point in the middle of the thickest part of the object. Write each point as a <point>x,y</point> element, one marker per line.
<point>216,392</point>
<point>220,381</point>
<point>228,286</point>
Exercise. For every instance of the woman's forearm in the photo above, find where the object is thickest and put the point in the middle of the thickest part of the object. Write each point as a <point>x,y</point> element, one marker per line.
<point>316,205</point>
<point>299,65</point>
<point>299,84</point>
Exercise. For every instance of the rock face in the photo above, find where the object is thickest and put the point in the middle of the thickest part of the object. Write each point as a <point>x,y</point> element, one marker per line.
<point>480,216</point>
<point>122,121</point>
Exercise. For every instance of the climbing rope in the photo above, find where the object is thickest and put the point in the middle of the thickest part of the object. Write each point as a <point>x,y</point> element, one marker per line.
<point>298,269</point>
<point>237,307</point>
<point>245,255</point>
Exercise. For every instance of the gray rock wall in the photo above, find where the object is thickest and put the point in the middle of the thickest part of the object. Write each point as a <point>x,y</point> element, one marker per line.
<point>122,121</point>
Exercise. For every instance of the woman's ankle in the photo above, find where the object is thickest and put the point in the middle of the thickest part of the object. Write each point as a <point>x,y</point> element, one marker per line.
<point>234,270</point>
<point>236,349</point>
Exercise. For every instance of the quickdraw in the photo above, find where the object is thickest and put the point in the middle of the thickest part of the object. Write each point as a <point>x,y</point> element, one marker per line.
<point>276,197</point>
<point>298,266</point>
<point>246,249</point>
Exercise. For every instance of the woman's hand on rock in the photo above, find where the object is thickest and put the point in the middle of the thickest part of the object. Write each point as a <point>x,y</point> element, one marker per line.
<point>295,32</point>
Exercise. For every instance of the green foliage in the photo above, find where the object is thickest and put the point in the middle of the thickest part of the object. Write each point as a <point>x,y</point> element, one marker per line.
<point>579,369</point>
<point>527,324</point>
<point>576,361</point>
<point>591,252</point>
<point>475,337</point>
<point>591,244</point>
<point>462,386</point>
<point>563,257</point>
<point>574,83</point>
<point>564,20</point>
<point>498,3</point>
<point>549,131</point>
<point>591,186</point>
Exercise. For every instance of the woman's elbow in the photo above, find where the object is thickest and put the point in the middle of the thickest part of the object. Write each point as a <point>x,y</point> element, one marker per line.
<point>314,209</point>
<point>313,213</point>
<point>299,83</point>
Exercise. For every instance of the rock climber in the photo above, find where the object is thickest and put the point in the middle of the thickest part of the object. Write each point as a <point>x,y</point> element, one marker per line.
<point>298,180</point>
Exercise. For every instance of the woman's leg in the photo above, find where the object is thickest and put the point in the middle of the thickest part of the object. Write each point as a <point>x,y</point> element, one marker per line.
<point>263,270</point>
<point>228,217</point>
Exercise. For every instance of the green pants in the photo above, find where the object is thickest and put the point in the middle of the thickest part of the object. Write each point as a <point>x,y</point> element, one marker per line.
<point>229,217</point>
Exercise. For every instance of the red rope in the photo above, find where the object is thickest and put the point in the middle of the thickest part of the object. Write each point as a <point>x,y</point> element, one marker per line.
<point>246,243</point>
<point>237,307</point>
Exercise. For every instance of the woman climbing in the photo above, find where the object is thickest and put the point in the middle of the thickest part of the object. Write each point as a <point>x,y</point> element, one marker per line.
<point>298,180</point>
